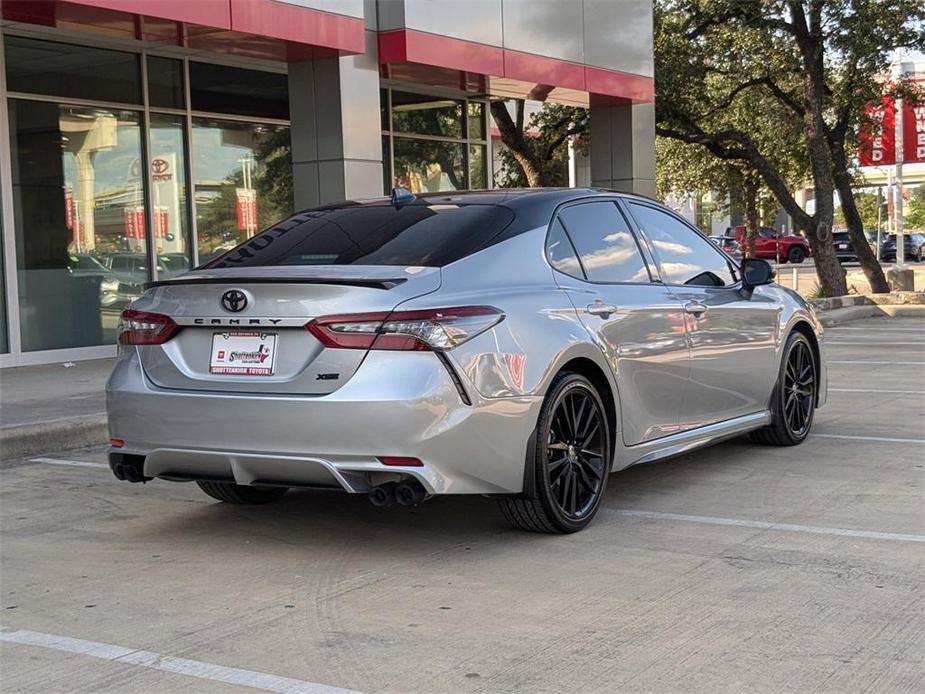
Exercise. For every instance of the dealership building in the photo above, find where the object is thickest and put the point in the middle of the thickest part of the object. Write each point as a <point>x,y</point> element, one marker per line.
<point>139,138</point>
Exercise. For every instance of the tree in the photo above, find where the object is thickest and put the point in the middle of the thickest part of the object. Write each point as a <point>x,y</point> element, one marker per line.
<point>537,153</point>
<point>866,204</point>
<point>683,168</point>
<point>914,219</point>
<point>812,66</point>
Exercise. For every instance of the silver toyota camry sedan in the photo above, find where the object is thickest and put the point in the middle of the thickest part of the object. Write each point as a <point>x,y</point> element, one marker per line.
<point>515,344</point>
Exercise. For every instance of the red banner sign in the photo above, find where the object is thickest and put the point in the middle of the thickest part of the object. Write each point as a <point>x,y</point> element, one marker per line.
<point>246,209</point>
<point>133,220</point>
<point>876,141</point>
<point>913,134</point>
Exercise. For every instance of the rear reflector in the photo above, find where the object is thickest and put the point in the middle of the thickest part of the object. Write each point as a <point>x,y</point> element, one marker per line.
<point>116,443</point>
<point>145,328</point>
<point>399,461</point>
<point>437,329</point>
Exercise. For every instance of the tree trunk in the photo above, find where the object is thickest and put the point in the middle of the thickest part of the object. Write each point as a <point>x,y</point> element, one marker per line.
<point>750,191</point>
<point>512,135</point>
<point>809,38</point>
<point>866,256</point>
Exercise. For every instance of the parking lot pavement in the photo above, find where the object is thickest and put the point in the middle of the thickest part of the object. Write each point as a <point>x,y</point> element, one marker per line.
<point>739,567</point>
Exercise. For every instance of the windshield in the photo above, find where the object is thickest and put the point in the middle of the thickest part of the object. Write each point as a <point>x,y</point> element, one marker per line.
<point>373,234</point>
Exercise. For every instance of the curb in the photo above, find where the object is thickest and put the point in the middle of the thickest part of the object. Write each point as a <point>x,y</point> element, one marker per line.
<point>49,437</point>
<point>837,316</point>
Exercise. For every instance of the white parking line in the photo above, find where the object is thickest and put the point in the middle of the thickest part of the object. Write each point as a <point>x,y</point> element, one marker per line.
<point>874,390</point>
<point>764,525</point>
<point>75,463</point>
<point>865,361</point>
<point>878,329</point>
<point>179,666</point>
<point>886,439</point>
<point>874,343</point>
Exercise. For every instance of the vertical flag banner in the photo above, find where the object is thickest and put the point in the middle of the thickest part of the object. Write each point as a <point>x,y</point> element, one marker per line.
<point>877,140</point>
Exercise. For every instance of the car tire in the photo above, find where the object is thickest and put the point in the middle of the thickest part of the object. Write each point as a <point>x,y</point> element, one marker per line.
<point>793,402</point>
<point>796,255</point>
<point>571,460</point>
<point>241,493</point>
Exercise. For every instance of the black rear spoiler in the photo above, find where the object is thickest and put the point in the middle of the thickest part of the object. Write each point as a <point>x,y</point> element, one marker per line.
<point>341,281</point>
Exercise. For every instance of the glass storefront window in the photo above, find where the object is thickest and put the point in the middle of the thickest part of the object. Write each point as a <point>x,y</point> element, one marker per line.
<point>169,197</point>
<point>476,111</point>
<point>80,221</point>
<point>233,90</point>
<point>4,342</point>
<point>429,165</point>
<point>242,181</point>
<point>165,83</point>
<point>426,115</point>
<point>477,167</point>
<point>65,70</point>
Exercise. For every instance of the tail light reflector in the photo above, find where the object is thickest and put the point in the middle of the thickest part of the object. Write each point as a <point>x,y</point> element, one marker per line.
<point>145,328</point>
<point>399,461</point>
<point>437,329</point>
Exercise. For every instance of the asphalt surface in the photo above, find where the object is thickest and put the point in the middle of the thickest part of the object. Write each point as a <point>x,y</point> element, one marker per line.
<point>735,568</point>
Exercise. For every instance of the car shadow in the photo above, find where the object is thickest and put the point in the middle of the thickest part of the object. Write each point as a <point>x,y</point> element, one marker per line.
<point>320,519</point>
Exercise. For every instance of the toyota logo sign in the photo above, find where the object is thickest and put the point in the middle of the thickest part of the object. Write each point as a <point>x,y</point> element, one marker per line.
<point>159,166</point>
<point>234,300</point>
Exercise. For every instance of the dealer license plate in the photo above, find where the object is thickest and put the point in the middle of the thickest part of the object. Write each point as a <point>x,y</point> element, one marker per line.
<point>243,352</point>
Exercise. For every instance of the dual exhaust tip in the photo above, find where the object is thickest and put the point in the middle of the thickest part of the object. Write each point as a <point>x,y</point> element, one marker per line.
<point>129,468</point>
<point>406,493</point>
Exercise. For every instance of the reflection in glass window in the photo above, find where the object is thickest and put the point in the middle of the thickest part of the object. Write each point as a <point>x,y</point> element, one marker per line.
<point>242,92</point>
<point>426,115</point>
<point>477,167</point>
<point>604,242</point>
<point>242,181</point>
<point>476,120</point>
<point>165,82</point>
<point>683,256</point>
<point>169,197</point>
<point>429,165</point>
<point>560,252</point>
<point>4,343</point>
<point>79,204</point>
<point>63,69</point>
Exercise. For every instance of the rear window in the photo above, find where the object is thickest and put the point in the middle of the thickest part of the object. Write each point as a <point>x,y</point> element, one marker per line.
<point>414,234</point>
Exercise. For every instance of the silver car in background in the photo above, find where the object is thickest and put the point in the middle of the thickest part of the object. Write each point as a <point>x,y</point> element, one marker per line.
<point>517,344</point>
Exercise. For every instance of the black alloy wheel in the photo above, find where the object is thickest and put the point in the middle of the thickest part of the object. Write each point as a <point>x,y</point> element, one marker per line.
<point>571,463</point>
<point>796,254</point>
<point>794,399</point>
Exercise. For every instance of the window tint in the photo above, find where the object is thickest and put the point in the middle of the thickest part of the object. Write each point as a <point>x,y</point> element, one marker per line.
<point>606,246</point>
<point>238,91</point>
<point>63,69</point>
<point>165,82</point>
<point>412,235</point>
<point>684,257</point>
<point>560,252</point>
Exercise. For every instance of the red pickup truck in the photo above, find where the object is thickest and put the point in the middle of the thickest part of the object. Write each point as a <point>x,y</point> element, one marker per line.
<point>770,245</point>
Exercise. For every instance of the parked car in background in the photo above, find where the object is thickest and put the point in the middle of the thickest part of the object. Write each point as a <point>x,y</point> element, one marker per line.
<point>911,242</point>
<point>84,265</point>
<point>172,264</point>
<point>919,247</point>
<point>729,245</point>
<point>771,245</point>
<point>518,344</point>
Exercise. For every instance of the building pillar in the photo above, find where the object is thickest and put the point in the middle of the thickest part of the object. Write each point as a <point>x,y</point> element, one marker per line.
<point>336,131</point>
<point>623,147</point>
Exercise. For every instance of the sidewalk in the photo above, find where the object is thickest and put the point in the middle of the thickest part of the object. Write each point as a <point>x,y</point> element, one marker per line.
<point>53,407</point>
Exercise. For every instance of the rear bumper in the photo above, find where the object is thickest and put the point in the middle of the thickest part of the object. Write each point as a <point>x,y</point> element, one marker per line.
<point>396,404</point>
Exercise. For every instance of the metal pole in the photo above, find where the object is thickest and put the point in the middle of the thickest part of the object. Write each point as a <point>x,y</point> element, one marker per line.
<point>898,205</point>
<point>879,218</point>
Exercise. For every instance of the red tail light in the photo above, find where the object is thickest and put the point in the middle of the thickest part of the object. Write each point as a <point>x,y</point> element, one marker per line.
<point>400,461</point>
<point>438,329</point>
<point>145,328</point>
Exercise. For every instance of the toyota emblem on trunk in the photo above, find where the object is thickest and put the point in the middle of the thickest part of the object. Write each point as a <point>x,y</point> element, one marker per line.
<point>234,300</point>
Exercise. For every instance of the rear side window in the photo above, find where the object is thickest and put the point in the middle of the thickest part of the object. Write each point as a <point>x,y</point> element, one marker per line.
<point>412,235</point>
<point>560,252</point>
<point>604,242</point>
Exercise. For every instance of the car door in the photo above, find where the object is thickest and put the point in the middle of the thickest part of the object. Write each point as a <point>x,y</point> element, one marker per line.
<point>732,338</point>
<point>638,324</point>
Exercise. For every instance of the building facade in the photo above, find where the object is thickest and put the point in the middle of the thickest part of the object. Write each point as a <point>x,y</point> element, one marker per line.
<point>139,138</point>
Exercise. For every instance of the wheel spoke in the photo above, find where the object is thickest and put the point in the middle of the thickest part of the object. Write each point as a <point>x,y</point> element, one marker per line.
<point>594,429</point>
<point>558,446</point>
<point>588,466</point>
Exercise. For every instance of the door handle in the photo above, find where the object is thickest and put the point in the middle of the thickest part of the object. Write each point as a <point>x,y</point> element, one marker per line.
<point>599,308</point>
<point>696,308</point>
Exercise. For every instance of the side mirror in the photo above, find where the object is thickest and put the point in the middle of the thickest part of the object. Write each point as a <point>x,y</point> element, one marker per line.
<point>755,273</point>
